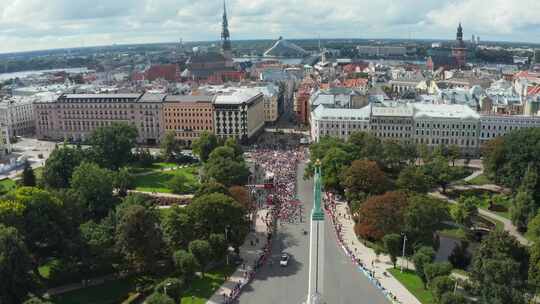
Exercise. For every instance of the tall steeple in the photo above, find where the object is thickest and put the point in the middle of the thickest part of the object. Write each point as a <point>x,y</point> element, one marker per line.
<point>459,36</point>
<point>225,35</point>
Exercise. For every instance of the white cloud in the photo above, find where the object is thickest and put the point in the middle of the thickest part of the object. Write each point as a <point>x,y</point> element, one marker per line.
<point>38,24</point>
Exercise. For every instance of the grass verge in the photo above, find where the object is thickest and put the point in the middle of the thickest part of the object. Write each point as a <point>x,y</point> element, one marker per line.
<point>414,284</point>
<point>202,289</point>
<point>157,181</point>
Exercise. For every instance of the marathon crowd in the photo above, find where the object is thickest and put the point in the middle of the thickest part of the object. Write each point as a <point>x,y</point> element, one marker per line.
<point>330,207</point>
<point>281,165</point>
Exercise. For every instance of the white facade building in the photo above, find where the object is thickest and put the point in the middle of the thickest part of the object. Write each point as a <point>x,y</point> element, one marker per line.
<point>239,113</point>
<point>17,114</point>
<point>419,123</point>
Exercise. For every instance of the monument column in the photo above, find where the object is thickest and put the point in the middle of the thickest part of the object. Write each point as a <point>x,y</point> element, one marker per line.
<point>316,243</point>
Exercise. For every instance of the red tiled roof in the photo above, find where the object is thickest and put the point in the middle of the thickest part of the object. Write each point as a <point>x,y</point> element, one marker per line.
<point>535,90</point>
<point>168,72</point>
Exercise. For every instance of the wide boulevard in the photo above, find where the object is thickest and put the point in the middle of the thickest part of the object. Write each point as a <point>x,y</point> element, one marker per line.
<point>343,282</point>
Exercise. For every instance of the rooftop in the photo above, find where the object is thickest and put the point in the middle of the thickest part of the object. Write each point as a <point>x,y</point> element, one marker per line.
<point>422,110</point>
<point>189,98</point>
<point>237,96</point>
<point>322,112</point>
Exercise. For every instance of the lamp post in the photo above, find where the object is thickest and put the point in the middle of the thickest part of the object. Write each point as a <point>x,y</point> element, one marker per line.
<point>403,251</point>
<point>165,287</point>
<point>227,228</point>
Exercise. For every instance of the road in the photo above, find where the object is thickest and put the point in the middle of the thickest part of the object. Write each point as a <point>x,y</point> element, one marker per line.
<point>344,284</point>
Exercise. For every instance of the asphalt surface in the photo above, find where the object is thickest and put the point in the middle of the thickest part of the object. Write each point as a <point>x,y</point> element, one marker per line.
<point>343,282</point>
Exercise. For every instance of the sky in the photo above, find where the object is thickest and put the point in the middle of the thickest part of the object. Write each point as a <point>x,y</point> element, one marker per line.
<point>46,24</point>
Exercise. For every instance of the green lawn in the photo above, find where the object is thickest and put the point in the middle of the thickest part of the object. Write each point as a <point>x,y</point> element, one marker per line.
<point>479,180</point>
<point>155,167</point>
<point>452,232</point>
<point>412,282</point>
<point>203,288</point>
<point>505,206</point>
<point>45,269</point>
<point>112,292</point>
<point>157,181</point>
<point>7,184</point>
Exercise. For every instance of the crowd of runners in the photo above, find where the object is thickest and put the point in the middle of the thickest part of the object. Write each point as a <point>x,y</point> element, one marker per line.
<point>330,207</point>
<point>279,167</point>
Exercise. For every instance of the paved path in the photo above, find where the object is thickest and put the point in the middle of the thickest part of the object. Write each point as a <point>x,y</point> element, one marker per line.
<point>250,252</point>
<point>508,226</point>
<point>370,260</point>
<point>167,195</point>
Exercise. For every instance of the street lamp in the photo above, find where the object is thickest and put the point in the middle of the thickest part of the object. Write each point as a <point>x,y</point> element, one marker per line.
<point>227,228</point>
<point>403,251</point>
<point>165,287</point>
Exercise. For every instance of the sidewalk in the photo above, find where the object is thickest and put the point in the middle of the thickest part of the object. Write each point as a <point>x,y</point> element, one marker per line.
<point>250,254</point>
<point>369,259</point>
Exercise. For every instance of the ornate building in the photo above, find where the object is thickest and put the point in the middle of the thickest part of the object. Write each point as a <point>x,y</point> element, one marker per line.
<point>459,50</point>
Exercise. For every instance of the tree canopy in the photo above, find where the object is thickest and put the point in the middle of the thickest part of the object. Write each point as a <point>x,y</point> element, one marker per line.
<point>381,215</point>
<point>204,145</point>
<point>112,145</point>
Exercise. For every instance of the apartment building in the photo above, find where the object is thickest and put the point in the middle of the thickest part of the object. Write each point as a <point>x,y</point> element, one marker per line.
<point>74,117</point>
<point>188,116</point>
<point>238,113</point>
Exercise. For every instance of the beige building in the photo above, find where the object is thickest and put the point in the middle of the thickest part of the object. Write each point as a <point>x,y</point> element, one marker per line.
<point>74,117</point>
<point>270,96</point>
<point>188,116</point>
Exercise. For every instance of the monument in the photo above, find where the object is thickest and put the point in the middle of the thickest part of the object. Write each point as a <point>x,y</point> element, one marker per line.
<point>316,243</point>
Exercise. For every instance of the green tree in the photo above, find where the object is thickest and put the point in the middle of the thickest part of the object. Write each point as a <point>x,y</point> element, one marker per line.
<point>534,266</point>
<point>223,167</point>
<point>460,256</point>
<point>34,300</point>
<point>213,213</point>
<point>210,187</point>
<point>320,149</point>
<point>533,228</point>
<point>60,165</point>
<point>112,145</point>
<point>451,298</point>
<point>28,177</point>
<point>499,269</point>
<point>44,224</point>
<point>178,184</point>
<point>362,145</point>
<point>99,241</point>
<point>421,258</point>
<point>177,228</point>
<point>15,266</point>
<point>392,246</point>
<point>186,264</point>
<point>423,216</point>
<point>204,145</point>
<point>440,172</point>
<point>233,144</point>
<point>170,146</point>
<point>202,252</point>
<point>395,155</point>
<point>159,298</point>
<point>123,181</point>
<point>434,270</point>
<point>361,179</point>
<point>441,285</point>
<point>525,205</point>
<point>219,246</point>
<point>467,209</point>
<point>333,164</point>
<point>172,287</point>
<point>94,185</point>
<point>414,179</point>
<point>138,237</point>
<point>507,159</point>
<point>454,152</point>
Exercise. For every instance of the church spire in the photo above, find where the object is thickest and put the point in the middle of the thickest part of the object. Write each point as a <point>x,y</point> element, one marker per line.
<point>225,35</point>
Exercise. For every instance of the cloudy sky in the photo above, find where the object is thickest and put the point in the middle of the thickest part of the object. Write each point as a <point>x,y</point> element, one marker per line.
<point>43,24</point>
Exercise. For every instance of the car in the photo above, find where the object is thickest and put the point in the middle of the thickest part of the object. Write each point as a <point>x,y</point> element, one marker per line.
<point>284,260</point>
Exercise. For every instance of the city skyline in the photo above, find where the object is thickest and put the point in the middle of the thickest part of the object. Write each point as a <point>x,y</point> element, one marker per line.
<point>68,24</point>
